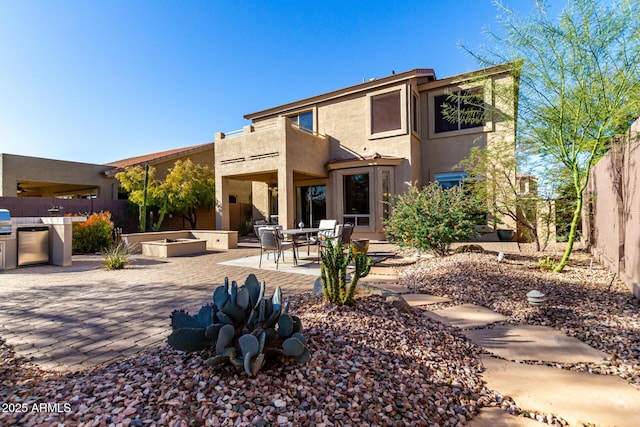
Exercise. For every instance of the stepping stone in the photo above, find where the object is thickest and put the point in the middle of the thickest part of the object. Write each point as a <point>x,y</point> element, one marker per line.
<point>496,417</point>
<point>396,262</point>
<point>379,278</point>
<point>385,282</point>
<point>527,342</point>
<point>385,271</point>
<point>466,316</point>
<point>392,287</point>
<point>578,397</point>
<point>416,300</point>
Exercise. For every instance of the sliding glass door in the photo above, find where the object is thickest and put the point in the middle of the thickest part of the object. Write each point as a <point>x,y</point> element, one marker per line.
<point>311,204</point>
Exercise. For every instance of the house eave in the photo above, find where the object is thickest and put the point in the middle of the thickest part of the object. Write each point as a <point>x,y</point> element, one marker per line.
<point>417,73</point>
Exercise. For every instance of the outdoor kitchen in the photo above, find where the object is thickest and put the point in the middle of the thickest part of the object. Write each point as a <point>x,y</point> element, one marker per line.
<point>28,241</point>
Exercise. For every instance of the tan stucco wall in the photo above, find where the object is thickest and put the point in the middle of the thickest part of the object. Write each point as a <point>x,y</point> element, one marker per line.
<point>611,216</point>
<point>55,175</point>
<point>270,156</point>
<point>343,123</point>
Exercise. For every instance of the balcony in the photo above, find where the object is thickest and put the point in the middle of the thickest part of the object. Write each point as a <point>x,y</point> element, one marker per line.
<point>270,146</point>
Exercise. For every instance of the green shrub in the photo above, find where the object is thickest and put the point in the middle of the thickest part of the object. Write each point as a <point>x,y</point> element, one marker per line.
<point>245,228</point>
<point>431,218</point>
<point>93,235</point>
<point>116,257</point>
<point>546,264</point>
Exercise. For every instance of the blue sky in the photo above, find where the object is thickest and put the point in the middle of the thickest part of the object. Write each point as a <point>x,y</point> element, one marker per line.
<point>98,81</point>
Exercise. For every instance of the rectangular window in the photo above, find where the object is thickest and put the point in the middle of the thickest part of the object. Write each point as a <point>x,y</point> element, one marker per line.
<point>356,199</point>
<point>386,209</point>
<point>304,120</point>
<point>386,112</point>
<point>459,110</point>
<point>415,114</point>
<point>449,180</point>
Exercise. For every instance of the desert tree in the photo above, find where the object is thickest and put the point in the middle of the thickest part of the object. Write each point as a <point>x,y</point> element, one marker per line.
<point>579,83</point>
<point>132,180</point>
<point>189,186</point>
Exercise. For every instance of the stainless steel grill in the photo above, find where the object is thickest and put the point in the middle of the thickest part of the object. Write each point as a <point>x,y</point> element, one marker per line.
<point>5,222</point>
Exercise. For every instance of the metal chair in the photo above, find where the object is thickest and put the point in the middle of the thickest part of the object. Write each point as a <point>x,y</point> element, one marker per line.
<point>257,224</point>
<point>333,236</point>
<point>326,226</point>
<point>271,241</point>
<point>347,230</point>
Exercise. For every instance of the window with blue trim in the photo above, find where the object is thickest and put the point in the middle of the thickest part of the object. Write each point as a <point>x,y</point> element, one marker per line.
<point>450,179</point>
<point>304,121</point>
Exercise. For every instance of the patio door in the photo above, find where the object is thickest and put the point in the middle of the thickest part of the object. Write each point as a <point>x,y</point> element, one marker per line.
<point>311,204</point>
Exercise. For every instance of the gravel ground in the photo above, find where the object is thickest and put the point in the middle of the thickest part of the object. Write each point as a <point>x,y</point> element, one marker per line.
<point>583,301</point>
<point>370,364</point>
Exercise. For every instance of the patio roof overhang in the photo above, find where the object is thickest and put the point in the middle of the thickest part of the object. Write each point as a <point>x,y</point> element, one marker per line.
<point>271,177</point>
<point>373,160</point>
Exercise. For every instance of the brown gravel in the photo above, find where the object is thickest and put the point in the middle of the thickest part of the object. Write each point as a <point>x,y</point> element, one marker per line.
<point>370,364</point>
<point>583,302</point>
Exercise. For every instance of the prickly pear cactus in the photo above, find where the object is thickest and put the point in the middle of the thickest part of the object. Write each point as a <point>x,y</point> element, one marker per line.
<point>242,327</point>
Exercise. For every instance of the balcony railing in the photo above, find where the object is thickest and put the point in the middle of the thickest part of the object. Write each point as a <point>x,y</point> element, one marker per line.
<point>258,127</point>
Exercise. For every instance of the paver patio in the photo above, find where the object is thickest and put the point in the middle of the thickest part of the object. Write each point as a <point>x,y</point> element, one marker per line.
<point>78,316</point>
<point>74,317</point>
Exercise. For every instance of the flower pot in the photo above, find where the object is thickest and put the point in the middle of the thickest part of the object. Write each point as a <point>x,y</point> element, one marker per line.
<point>505,235</point>
<point>360,246</point>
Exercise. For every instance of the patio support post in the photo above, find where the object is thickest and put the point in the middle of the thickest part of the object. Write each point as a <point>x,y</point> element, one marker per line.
<point>286,198</point>
<point>222,202</point>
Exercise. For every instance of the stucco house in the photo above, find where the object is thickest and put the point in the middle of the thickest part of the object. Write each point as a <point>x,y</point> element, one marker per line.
<point>342,154</point>
<point>26,176</point>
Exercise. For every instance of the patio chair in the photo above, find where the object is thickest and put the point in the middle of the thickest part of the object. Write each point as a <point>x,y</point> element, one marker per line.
<point>271,241</point>
<point>333,236</point>
<point>326,226</point>
<point>257,224</point>
<point>347,230</point>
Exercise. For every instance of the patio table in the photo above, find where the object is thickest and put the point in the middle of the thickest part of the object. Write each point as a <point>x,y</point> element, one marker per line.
<point>295,233</point>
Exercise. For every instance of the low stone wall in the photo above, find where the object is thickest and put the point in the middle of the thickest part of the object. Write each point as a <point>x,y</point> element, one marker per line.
<point>215,239</point>
<point>173,247</point>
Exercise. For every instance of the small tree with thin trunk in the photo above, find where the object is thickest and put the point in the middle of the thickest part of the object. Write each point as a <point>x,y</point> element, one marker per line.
<point>132,180</point>
<point>491,176</point>
<point>579,83</point>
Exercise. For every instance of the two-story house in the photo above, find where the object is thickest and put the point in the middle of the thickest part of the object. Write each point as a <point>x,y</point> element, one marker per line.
<point>342,154</point>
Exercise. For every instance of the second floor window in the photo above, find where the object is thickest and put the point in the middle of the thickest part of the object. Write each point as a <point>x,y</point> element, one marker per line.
<point>460,110</point>
<point>386,112</point>
<point>304,120</point>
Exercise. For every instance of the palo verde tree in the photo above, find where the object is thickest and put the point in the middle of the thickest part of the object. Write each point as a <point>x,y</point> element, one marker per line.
<point>579,82</point>
<point>189,186</point>
<point>132,180</point>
